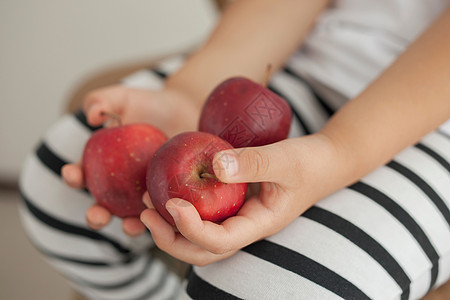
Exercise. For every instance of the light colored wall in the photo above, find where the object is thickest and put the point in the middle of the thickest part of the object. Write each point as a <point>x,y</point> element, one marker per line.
<point>48,46</point>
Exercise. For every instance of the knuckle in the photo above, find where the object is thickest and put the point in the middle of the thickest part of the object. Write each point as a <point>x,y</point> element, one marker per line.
<point>260,163</point>
<point>93,96</point>
<point>200,263</point>
<point>218,250</point>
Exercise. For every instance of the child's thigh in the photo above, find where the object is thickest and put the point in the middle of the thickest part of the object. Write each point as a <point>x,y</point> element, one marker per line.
<point>105,264</point>
<point>385,237</point>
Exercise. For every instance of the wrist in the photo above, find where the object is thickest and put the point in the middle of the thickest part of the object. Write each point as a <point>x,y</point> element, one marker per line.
<point>323,166</point>
<point>181,111</point>
<point>342,159</point>
<point>191,81</point>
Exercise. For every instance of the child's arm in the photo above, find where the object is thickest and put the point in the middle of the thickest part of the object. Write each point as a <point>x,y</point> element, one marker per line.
<point>250,35</point>
<point>409,100</point>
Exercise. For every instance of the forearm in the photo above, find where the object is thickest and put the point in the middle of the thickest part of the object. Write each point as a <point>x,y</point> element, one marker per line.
<point>250,35</point>
<point>410,99</point>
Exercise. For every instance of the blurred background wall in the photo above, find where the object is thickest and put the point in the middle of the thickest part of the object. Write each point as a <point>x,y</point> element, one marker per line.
<point>48,48</point>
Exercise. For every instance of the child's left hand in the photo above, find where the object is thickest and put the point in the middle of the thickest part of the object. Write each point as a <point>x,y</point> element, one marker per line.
<point>294,174</point>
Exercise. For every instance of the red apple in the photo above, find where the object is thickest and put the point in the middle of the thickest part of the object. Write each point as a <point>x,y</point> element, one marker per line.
<point>115,164</point>
<point>246,114</point>
<point>182,168</point>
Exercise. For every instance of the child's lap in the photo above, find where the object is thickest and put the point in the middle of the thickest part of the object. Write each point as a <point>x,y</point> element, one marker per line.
<point>385,236</point>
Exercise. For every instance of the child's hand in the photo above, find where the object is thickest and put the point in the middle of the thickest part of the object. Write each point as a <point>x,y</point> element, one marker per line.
<point>294,174</point>
<point>170,110</point>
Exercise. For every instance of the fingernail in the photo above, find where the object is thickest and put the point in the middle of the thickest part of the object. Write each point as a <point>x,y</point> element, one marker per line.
<point>173,212</point>
<point>146,201</point>
<point>144,221</point>
<point>229,164</point>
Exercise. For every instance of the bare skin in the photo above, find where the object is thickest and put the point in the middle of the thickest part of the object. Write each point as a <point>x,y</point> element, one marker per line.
<point>366,133</point>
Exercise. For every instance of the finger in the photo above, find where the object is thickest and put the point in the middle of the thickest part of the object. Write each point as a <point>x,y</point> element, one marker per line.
<point>97,217</point>
<point>147,201</point>
<point>106,100</point>
<point>176,244</point>
<point>133,226</point>
<point>234,233</point>
<point>72,175</point>
<point>253,190</point>
<point>254,164</point>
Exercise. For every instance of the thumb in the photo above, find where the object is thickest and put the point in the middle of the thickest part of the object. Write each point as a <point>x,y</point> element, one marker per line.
<point>101,101</point>
<point>252,164</point>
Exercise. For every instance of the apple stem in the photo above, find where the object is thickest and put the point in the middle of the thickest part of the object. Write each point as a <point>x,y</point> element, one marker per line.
<point>112,116</point>
<point>208,175</point>
<point>267,75</point>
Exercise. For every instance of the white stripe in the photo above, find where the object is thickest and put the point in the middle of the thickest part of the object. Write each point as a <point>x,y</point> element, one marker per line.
<point>334,97</point>
<point>136,289</point>
<point>100,274</point>
<point>444,269</point>
<point>249,277</point>
<point>296,129</point>
<point>68,245</point>
<point>425,214</point>
<point>171,290</point>
<point>47,191</point>
<point>415,202</point>
<point>338,254</point>
<point>171,64</point>
<point>302,100</point>
<point>439,143</point>
<point>144,79</point>
<point>381,226</point>
<point>183,295</point>
<point>67,138</point>
<point>428,169</point>
<point>445,127</point>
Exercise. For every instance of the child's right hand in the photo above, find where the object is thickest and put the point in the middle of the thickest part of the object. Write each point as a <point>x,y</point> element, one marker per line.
<point>170,110</point>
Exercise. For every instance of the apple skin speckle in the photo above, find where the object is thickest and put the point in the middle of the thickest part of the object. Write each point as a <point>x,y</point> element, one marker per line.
<point>245,114</point>
<point>115,163</point>
<point>174,172</point>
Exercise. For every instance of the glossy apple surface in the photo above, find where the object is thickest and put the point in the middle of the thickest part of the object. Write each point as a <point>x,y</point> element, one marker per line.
<point>246,114</point>
<point>181,168</point>
<point>115,164</point>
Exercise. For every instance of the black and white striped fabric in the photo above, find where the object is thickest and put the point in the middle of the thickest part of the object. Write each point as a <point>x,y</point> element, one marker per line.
<point>385,237</point>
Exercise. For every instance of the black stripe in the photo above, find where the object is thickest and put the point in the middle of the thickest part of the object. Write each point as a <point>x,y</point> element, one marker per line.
<point>49,159</point>
<point>408,222</point>
<point>425,187</point>
<point>363,241</point>
<point>305,267</point>
<point>154,289</point>
<point>80,116</point>
<point>159,73</point>
<point>91,263</point>
<point>294,111</point>
<point>327,108</point>
<point>434,155</point>
<point>199,289</point>
<point>73,229</point>
<point>118,285</point>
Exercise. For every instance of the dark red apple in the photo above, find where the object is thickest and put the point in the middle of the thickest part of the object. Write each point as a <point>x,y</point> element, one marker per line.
<point>115,162</point>
<point>182,168</point>
<point>246,114</point>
